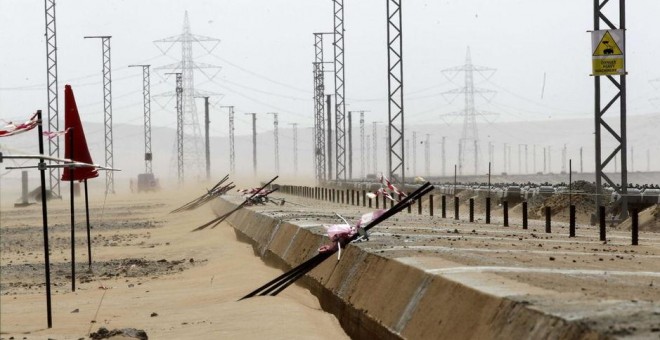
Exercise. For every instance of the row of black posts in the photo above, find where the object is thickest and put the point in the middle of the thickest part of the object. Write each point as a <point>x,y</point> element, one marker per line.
<point>355,197</point>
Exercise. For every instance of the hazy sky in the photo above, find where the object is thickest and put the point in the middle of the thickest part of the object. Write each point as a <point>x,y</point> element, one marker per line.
<point>266,51</point>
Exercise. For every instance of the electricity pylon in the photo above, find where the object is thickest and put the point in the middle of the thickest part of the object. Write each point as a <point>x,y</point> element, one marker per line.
<point>232,153</point>
<point>276,142</point>
<point>191,127</point>
<point>294,126</point>
<point>53,99</point>
<point>469,142</point>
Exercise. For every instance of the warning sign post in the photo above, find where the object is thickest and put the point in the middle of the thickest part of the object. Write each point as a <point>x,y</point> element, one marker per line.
<point>608,57</point>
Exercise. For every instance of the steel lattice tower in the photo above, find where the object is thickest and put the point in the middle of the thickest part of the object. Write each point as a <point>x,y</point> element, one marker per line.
<point>367,146</point>
<point>179,127</point>
<point>340,107</point>
<point>395,114</point>
<point>362,155</point>
<point>319,110</point>
<point>53,99</point>
<point>107,109</point>
<point>295,147</point>
<point>146,95</point>
<point>469,141</point>
<point>621,96</point>
<point>276,140</point>
<point>232,153</point>
<point>193,153</point>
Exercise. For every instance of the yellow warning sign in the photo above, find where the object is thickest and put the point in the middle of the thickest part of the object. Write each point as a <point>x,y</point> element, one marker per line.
<point>608,52</point>
<point>607,46</point>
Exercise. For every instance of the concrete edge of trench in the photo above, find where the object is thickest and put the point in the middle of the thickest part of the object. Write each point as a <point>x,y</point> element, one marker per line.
<point>375,297</point>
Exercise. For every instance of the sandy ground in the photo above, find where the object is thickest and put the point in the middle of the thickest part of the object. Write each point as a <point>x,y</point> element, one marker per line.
<point>150,272</point>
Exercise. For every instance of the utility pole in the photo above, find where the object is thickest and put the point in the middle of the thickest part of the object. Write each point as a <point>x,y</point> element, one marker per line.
<point>232,153</point>
<point>328,100</point>
<point>179,125</point>
<point>519,158</point>
<point>549,159</point>
<point>374,136</point>
<point>53,102</point>
<point>581,168</point>
<point>534,157</point>
<point>427,156</point>
<point>146,99</point>
<point>491,156</point>
<point>276,141</point>
<point>362,159</point>
<point>350,146</point>
<point>563,159</point>
<point>408,153</point>
<point>295,148</point>
<point>395,112</point>
<point>207,143</point>
<point>618,91</point>
<point>545,169</point>
<point>320,156</point>
<point>367,147</point>
<point>414,153</point>
<point>254,143</point>
<point>444,156</point>
<point>107,110</point>
<point>526,160</point>
<point>505,162</point>
<point>340,107</point>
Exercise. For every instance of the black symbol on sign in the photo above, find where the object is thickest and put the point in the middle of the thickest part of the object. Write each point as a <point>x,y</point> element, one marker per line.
<point>608,50</point>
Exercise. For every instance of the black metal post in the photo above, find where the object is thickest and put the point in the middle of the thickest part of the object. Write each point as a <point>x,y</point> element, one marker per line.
<point>548,216</point>
<point>471,209</point>
<point>419,206</point>
<point>456,208</point>
<point>444,206</point>
<point>571,228</point>
<point>89,233</point>
<point>488,209</point>
<point>44,217</point>
<point>431,205</point>
<point>73,220</point>
<point>505,212</point>
<point>601,217</point>
<point>524,214</point>
<point>364,199</point>
<point>635,227</point>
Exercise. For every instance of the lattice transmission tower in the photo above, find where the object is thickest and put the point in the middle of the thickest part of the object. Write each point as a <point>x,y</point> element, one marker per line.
<point>107,110</point>
<point>146,99</point>
<point>194,146</point>
<point>53,99</point>
<point>320,158</point>
<point>469,142</point>
<point>395,131</point>
<point>340,107</point>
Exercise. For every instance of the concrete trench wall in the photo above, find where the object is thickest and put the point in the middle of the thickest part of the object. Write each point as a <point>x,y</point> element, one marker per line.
<point>374,297</point>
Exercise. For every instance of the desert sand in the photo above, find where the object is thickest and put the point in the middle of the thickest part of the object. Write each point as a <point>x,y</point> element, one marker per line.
<point>149,272</point>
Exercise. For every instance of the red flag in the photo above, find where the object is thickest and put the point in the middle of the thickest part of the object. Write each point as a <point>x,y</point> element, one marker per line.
<point>80,151</point>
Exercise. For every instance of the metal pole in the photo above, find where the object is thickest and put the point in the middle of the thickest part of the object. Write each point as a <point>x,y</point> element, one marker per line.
<point>89,233</point>
<point>207,122</point>
<point>350,146</point>
<point>328,99</point>
<point>73,219</point>
<point>44,216</point>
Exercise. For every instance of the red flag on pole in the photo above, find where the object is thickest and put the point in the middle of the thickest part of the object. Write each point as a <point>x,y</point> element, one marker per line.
<point>81,152</point>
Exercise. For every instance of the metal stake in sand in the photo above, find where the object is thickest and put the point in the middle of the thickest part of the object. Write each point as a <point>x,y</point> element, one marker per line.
<point>44,216</point>
<point>73,220</point>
